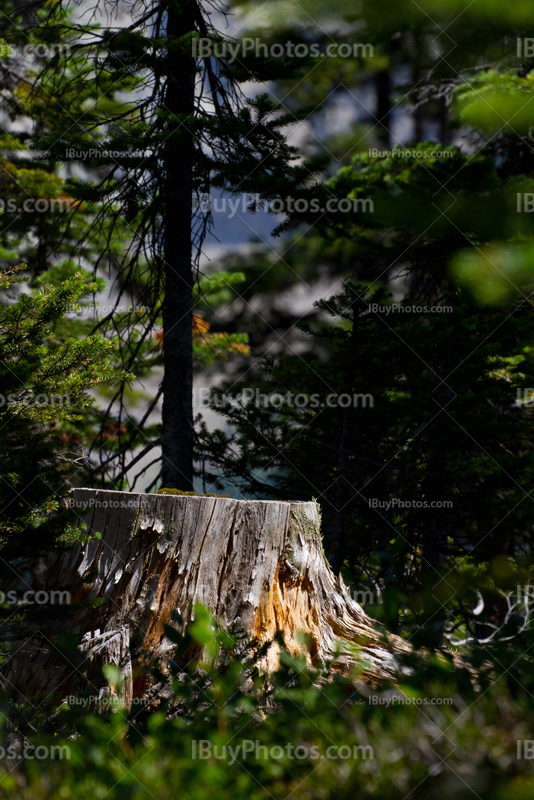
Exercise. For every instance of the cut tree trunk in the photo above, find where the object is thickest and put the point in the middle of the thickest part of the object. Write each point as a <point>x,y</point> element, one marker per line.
<point>257,565</point>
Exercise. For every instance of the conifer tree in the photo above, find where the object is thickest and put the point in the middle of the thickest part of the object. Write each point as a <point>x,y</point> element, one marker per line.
<point>46,379</point>
<point>186,128</point>
<point>436,377</point>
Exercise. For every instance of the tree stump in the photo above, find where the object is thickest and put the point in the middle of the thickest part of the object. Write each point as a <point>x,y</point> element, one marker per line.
<point>258,565</point>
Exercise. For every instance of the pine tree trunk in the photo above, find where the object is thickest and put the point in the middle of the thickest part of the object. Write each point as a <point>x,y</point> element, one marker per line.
<point>383,109</point>
<point>343,491</point>
<point>177,410</point>
<point>257,565</point>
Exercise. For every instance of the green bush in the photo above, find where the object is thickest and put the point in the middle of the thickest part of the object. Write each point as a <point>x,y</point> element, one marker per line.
<point>446,731</point>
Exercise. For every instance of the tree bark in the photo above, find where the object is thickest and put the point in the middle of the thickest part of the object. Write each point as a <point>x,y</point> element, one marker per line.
<point>177,408</point>
<point>383,109</point>
<point>257,565</point>
<point>343,490</point>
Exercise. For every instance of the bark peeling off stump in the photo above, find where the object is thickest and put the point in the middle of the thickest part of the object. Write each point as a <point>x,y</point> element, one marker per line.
<point>259,565</point>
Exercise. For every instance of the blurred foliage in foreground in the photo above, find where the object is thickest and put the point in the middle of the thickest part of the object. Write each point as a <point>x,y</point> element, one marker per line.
<point>443,732</point>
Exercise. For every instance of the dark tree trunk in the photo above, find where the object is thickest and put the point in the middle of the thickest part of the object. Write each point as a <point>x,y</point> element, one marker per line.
<point>445,132</point>
<point>383,108</point>
<point>177,412</point>
<point>343,491</point>
<point>420,71</point>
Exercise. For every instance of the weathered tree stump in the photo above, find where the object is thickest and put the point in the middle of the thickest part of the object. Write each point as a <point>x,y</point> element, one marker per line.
<point>258,565</point>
